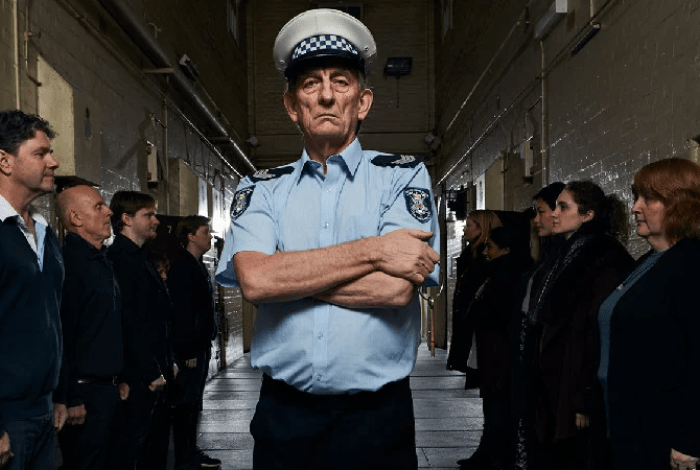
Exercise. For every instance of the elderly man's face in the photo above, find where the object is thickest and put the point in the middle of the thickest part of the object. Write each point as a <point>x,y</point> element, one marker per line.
<point>95,215</point>
<point>327,104</point>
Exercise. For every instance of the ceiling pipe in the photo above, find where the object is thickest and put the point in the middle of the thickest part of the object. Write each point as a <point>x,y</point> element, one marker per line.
<point>138,31</point>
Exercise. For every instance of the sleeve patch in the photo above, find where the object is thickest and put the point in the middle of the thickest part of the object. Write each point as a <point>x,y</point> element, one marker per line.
<point>270,174</point>
<point>401,161</point>
<point>241,201</point>
<point>418,203</point>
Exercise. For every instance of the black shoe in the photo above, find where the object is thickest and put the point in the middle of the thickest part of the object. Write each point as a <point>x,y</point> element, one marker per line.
<point>205,461</point>
<point>478,460</point>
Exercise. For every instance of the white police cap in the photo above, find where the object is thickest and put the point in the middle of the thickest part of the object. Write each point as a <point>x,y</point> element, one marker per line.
<point>323,32</point>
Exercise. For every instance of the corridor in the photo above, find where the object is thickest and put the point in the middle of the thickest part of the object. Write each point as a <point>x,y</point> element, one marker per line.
<point>448,418</point>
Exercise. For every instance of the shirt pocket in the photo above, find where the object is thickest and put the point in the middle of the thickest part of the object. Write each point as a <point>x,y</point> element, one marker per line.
<point>360,216</point>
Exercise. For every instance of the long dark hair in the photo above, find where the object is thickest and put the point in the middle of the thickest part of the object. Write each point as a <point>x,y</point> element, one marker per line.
<point>609,212</point>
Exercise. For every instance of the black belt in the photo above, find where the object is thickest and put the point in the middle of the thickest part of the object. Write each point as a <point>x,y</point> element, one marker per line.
<point>99,380</point>
<point>285,390</point>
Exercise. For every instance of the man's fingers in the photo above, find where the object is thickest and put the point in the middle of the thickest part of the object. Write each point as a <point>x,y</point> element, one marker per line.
<point>421,235</point>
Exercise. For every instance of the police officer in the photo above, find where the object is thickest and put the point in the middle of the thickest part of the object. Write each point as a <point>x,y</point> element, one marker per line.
<point>93,353</point>
<point>331,249</point>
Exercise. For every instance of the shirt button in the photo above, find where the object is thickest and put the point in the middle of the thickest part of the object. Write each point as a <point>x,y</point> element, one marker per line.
<point>318,377</point>
<point>326,226</point>
<point>320,336</point>
<point>328,190</point>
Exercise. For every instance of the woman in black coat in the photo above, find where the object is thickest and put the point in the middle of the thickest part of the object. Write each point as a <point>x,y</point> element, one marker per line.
<point>491,311</point>
<point>589,266</point>
<point>523,327</point>
<point>470,275</point>
<point>650,358</point>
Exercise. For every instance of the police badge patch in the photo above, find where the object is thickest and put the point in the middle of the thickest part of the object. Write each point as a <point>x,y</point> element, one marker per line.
<point>241,201</point>
<point>418,203</point>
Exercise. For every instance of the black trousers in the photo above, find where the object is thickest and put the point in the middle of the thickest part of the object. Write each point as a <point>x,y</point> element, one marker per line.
<point>297,430</point>
<point>497,437</point>
<point>187,400</point>
<point>138,409</point>
<point>89,446</point>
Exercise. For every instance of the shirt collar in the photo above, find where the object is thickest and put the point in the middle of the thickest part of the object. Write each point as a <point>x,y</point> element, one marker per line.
<point>7,211</point>
<point>88,250</point>
<point>351,155</point>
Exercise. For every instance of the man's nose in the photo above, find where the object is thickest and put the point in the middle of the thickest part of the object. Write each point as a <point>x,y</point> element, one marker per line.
<point>325,94</point>
<point>52,162</point>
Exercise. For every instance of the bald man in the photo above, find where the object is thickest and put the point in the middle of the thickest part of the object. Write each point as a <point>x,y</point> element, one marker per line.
<point>93,354</point>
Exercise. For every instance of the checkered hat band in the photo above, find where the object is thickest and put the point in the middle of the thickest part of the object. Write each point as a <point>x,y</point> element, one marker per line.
<point>324,42</point>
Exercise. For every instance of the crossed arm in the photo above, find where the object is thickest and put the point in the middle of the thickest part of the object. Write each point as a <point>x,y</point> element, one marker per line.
<point>380,271</point>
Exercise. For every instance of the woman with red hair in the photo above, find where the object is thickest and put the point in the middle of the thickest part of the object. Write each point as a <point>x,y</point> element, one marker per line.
<point>650,358</point>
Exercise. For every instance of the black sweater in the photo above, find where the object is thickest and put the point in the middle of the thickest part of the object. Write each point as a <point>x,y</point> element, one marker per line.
<point>194,324</point>
<point>91,318</point>
<point>146,312</point>
<point>30,325</point>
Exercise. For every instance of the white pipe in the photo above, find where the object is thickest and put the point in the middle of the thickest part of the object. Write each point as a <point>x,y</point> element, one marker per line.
<point>15,27</point>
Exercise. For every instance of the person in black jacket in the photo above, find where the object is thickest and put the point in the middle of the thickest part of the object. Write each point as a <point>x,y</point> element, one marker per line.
<point>590,264</point>
<point>146,314</point>
<point>31,276</point>
<point>194,328</point>
<point>650,357</point>
<point>491,310</point>
<point>93,353</point>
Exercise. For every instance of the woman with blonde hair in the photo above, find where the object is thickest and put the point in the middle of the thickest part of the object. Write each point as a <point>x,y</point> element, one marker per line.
<point>650,356</point>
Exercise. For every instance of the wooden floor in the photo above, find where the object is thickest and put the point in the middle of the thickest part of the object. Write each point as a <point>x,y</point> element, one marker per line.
<point>448,418</point>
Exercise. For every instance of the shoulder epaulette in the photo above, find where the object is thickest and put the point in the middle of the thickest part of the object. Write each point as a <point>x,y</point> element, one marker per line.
<point>270,174</point>
<point>402,161</point>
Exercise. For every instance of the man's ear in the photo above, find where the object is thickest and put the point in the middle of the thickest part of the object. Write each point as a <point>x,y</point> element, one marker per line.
<point>5,163</point>
<point>126,219</point>
<point>290,103</point>
<point>588,216</point>
<point>366,100</point>
<point>75,219</point>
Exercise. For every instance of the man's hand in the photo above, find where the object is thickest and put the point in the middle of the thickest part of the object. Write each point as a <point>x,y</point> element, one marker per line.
<point>176,370</point>
<point>60,415</point>
<point>403,253</point>
<point>681,461</point>
<point>76,415</point>
<point>157,384</point>
<point>581,421</point>
<point>124,391</point>
<point>5,450</point>
<point>191,363</point>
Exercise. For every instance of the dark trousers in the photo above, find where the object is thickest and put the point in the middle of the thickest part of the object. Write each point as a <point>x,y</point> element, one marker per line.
<point>88,446</point>
<point>154,454</point>
<point>138,409</point>
<point>297,430</point>
<point>32,441</point>
<point>565,454</point>
<point>497,437</point>
<point>187,403</point>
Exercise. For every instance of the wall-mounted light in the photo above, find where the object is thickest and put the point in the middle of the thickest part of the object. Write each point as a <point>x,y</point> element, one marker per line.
<point>398,66</point>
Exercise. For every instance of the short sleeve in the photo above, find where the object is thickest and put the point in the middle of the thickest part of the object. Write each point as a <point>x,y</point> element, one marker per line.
<point>411,205</point>
<point>253,228</point>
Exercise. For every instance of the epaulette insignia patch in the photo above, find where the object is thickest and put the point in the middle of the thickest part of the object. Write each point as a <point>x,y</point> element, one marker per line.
<point>241,201</point>
<point>418,203</point>
<point>402,161</point>
<point>270,174</point>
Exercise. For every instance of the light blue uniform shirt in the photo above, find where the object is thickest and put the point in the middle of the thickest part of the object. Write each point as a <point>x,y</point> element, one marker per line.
<point>312,345</point>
